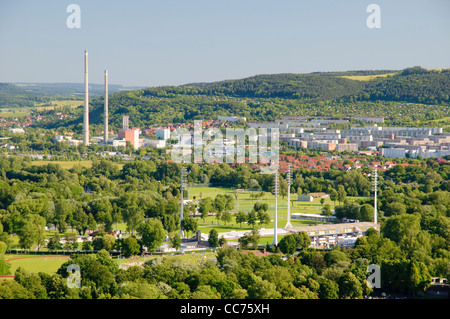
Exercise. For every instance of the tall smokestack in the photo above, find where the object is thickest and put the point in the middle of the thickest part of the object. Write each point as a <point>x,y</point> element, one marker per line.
<point>86,101</point>
<point>105,129</point>
<point>125,122</point>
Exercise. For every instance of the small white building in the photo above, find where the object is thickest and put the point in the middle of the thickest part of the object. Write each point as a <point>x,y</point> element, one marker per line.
<point>162,134</point>
<point>305,198</point>
<point>16,130</point>
<point>160,143</point>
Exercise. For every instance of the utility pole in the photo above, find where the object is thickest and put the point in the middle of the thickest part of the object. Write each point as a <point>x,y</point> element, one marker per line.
<point>374,188</point>
<point>183,187</point>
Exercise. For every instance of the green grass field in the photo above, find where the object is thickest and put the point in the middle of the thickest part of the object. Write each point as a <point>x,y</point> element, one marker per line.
<point>367,77</point>
<point>70,164</point>
<point>56,104</point>
<point>64,164</point>
<point>36,263</point>
<point>9,115</point>
<point>245,203</point>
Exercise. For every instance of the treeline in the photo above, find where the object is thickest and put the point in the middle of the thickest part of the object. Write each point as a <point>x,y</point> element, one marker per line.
<point>233,274</point>
<point>413,85</point>
<point>310,87</point>
<point>412,96</point>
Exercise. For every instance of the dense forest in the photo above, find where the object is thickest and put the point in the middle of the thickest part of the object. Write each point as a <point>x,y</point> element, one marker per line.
<point>13,96</point>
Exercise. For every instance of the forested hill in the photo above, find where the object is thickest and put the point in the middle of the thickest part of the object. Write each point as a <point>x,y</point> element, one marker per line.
<point>267,97</point>
<point>415,85</point>
<point>12,96</point>
<point>411,85</point>
<point>290,86</point>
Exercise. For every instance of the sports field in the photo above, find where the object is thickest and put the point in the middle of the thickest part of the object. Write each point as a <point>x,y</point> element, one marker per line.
<point>36,263</point>
<point>243,202</point>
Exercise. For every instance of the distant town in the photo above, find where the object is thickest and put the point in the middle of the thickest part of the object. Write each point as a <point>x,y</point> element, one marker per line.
<point>302,132</point>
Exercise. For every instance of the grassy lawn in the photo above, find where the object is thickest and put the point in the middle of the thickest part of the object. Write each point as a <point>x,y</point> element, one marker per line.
<point>245,203</point>
<point>367,77</point>
<point>64,164</point>
<point>211,222</point>
<point>36,263</point>
<point>56,104</point>
<point>264,240</point>
<point>8,115</point>
<point>70,164</point>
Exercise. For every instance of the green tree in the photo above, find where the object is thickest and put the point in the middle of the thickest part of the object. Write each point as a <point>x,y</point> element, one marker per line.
<point>349,286</point>
<point>32,282</point>
<point>152,233</point>
<point>32,231</point>
<point>241,217</point>
<point>5,267</point>
<point>328,289</point>
<point>342,194</point>
<point>13,290</point>
<point>133,216</point>
<point>213,239</point>
<point>250,238</point>
<point>366,212</point>
<point>130,246</point>
<point>288,245</point>
<point>262,289</point>
<point>326,210</point>
<point>139,290</point>
<point>334,195</point>
<point>226,217</point>
<point>176,241</point>
<point>108,242</point>
<point>205,206</point>
<point>263,217</point>
<point>189,225</point>
<point>402,229</point>
<point>252,218</point>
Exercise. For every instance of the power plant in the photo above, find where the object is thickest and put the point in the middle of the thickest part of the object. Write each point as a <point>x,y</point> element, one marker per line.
<point>125,134</point>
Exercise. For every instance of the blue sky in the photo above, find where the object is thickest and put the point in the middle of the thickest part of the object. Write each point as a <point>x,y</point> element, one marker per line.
<point>172,42</point>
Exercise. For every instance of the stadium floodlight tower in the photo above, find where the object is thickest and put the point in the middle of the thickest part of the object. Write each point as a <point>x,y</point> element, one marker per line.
<point>289,183</point>
<point>374,188</point>
<point>275,192</point>
<point>183,187</point>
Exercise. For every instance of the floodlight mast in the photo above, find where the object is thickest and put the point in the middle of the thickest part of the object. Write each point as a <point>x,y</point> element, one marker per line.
<point>275,192</point>
<point>183,187</point>
<point>374,188</point>
<point>289,183</point>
